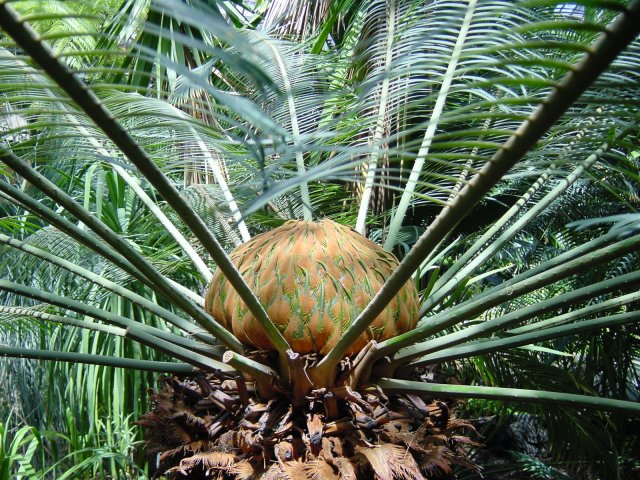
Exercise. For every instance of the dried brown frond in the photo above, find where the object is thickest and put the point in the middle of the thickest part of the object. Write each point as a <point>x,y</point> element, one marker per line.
<point>346,469</point>
<point>320,470</point>
<point>436,458</point>
<point>212,431</point>
<point>189,448</point>
<point>212,463</point>
<point>242,470</point>
<point>295,470</point>
<point>391,462</point>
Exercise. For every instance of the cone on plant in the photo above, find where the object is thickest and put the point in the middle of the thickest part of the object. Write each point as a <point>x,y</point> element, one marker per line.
<point>313,279</point>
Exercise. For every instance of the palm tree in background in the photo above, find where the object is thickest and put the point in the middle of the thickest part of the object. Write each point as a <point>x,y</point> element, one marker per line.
<point>489,145</point>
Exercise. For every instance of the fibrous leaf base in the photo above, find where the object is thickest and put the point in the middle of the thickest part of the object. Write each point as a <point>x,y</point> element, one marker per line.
<point>215,426</point>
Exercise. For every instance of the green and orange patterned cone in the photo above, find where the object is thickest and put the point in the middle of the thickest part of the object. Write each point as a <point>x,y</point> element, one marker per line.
<point>313,278</point>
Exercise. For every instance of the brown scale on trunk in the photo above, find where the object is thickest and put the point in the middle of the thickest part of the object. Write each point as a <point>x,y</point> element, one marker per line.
<point>215,426</point>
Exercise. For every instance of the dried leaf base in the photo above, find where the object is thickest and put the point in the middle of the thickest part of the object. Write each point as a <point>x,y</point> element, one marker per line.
<point>212,427</point>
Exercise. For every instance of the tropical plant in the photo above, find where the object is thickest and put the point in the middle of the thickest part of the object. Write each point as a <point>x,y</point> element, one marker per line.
<point>138,148</point>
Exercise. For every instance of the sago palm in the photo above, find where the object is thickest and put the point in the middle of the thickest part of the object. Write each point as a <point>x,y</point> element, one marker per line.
<point>307,350</point>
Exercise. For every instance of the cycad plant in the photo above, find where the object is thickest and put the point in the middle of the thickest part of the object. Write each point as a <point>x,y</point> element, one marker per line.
<point>179,180</point>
